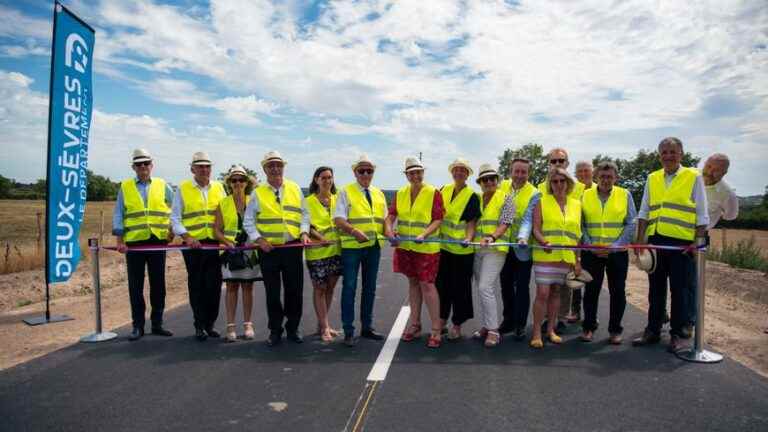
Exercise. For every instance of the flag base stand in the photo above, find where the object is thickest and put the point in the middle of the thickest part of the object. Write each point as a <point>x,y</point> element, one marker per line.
<point>98,337</point>
<point>699,356</point>
<point>47,319</point>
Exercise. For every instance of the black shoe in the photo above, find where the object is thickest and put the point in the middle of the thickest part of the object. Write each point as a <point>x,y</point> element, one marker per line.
<point>560,328</point>
<point>646,339</point>
<point>274,339</point>
<point>200,334</point>
<point>136,334</point>
<point>372,334</point>
<point>506,328</point>
<point>519,334</point>
<point>212,333</point>
<point>295,337</point>
<point>687,331</point>
<point>350,341</point>
<point>675,344</point>
<point>160,331</point>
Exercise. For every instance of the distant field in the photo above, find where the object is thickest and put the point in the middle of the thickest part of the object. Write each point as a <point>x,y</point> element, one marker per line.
<point>732,236</point>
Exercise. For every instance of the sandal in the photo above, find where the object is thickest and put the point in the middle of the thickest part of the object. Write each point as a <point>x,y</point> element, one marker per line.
<point>434,341</point>
<point>492,339</point>
<point>480,334</point>
<point>454,333</point>
<point>554,338</point>
<point>537,343</point>
<point>413,332</point>
<point>326,336</point>
<point>248,330</point>
<point>230,336</point>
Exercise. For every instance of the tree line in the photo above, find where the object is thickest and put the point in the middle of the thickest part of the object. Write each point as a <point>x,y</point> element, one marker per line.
<point>100,188</point>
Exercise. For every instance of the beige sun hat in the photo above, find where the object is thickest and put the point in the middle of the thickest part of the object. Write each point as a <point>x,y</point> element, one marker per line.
<point>486,170</point>
<point>413,164</point>
<point>251,181</point>
<point>646,260</point>
<point>576,282</point>
<point>141,155</point>
<point>363,160</point>
<point>460,162</point>
<point>272,156</point>
<point>201,158</point>
<point>237,169</point>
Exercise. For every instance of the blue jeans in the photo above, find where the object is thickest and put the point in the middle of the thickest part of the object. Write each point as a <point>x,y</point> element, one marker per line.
<point>352,260</point>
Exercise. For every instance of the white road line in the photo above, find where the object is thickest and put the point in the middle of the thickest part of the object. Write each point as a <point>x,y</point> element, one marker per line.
<point>381,367</point>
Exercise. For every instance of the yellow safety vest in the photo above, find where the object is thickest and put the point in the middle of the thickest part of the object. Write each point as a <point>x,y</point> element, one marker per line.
<point>559,229</point>
<point>229,216</point>
<point>604,223</point>
<point>140,221</point>
<point>322,219</point>
<point>489,220</point>
<point>198,215</point>
<point>576,193</point>
<point>363,217</point>
<point>453,228</point>
<point>522,199</point>
<point>414,218</point>
<point>275,219</point>
<point>672,211</point>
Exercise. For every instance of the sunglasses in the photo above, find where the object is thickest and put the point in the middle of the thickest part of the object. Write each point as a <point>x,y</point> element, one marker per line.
<point>558,181</point>
<point>365,171</point>
<point>557,161</point>
<point>238,180</point>
<point>141,164</point>
<point>487,179</point>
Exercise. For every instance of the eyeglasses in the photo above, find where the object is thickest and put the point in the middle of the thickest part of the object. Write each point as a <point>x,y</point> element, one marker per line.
<point>238,180</point>
<point>487,179</point>
<point>365,171</point>
<point>557,161</point>
<point>141,164</point>
<point>558,181</point>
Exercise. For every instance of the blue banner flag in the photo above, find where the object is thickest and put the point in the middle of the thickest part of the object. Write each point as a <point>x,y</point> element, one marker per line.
<point>69,125</point>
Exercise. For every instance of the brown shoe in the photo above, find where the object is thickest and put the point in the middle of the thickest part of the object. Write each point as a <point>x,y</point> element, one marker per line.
<point>615,339</point>
<point>646,339</point>
<point>586,336</point>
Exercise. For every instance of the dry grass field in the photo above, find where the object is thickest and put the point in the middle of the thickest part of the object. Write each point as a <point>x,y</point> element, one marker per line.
<point>20,236</point>
<point>733,236</point>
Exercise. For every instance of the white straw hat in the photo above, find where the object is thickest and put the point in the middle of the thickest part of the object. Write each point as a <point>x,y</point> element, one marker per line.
<point>201,158</point>
<point>646,260</point>
<point>363,160</point>
<point>413,164</point>
<point>141,155</point>
<point>486,170</point>
<point>576,282</point>
<point>460,162</point>
<point>237,169</point>
<point>272,156</point>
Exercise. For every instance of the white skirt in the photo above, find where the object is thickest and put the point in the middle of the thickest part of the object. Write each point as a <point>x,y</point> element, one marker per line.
<point>248,274</point>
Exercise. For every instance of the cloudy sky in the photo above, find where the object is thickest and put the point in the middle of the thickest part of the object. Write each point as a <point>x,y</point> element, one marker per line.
<point>322,81</point>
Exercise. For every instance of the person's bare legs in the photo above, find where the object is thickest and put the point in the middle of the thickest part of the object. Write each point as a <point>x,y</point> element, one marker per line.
<point>247,288</point>
<point>428,292</point>
<point>414,300</point>
<point>231,307</point>
<point>321,308</point>
<point>329,289</point>
<point>553,308</point>
<point>540,308</point>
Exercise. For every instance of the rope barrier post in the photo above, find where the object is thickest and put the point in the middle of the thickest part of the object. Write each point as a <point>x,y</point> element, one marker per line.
<point>698,354</point>
<point>98,335</point>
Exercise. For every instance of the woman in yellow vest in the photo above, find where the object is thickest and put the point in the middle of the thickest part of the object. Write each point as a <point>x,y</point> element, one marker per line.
<point>418,210</point>
<point>497,215</point>
<point>323,262</point>
<point>228,229</point>
<point>454,275</point>
<point>556,221</point>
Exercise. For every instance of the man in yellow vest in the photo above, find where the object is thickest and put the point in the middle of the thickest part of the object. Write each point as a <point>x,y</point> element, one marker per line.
<point>277,215</point>
<point>584,176</point>
<point>359,216</point>
<point>142,217</point>
<point>608,219</point>
<point>192,218</point>
<point>516,274</point>
<point>558,158</point>
<point>673,212</point>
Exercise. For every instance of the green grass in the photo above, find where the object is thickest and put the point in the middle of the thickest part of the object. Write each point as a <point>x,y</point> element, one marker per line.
<point>745,254</point>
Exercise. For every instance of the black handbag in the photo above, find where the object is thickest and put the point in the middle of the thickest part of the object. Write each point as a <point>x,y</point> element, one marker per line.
<point>236,260</point>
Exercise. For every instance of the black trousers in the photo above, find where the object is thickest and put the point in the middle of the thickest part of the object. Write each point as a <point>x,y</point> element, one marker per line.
<point>204,284</point>
<point>576,300</point>
<point>154,263</point>
<point>615,265</point>
<point>675,267</point>
<point>454,286</point>
<point>515,291</point>
<point>283,263</point>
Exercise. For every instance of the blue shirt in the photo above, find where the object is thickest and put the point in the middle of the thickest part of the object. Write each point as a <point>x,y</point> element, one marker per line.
<point>119,210</point>
<point>630,220</point>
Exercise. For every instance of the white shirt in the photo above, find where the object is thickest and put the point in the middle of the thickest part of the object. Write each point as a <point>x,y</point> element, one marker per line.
<point>698,196</point>
<point>253,209</point>
<point>178,207</point>
<point>342,203</point>
<point>723,203</point>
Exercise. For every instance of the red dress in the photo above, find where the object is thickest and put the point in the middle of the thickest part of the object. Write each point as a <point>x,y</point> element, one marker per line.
<point>422,266</point>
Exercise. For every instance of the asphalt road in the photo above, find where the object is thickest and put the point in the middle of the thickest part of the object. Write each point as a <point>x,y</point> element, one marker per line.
<point>178,383</point>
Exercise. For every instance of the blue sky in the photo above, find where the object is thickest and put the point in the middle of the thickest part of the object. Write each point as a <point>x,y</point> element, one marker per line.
<point>322,81</point>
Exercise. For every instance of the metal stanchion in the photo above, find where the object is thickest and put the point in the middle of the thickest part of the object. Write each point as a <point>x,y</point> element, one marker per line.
<point>698,354</point>
<point>98,335</point>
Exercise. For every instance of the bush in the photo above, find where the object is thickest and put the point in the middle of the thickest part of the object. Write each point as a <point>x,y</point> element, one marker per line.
<point>745,254</point>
